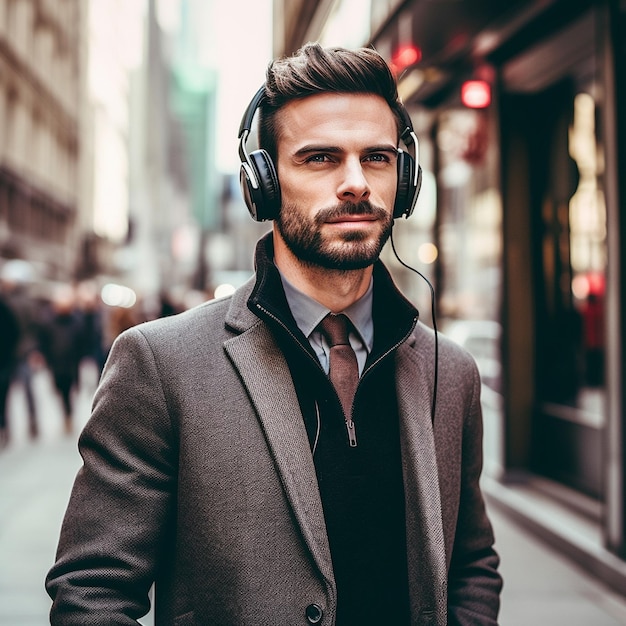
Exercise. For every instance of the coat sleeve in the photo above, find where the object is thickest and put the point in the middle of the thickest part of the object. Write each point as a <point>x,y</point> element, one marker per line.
<point>120,508</point>
<point>474,583</point>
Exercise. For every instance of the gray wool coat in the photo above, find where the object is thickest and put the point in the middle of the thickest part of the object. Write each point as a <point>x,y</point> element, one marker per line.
<point>198,475</point>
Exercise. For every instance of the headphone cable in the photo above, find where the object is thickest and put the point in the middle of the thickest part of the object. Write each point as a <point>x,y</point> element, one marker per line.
<point>434,318</point>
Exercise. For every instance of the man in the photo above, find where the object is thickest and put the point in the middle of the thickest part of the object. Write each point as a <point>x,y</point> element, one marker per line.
<point>9,340</point>
<point>62,337</point>
<point>221,463</point>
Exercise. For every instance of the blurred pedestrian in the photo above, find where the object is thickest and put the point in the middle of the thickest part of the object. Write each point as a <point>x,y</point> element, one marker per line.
<point>276,456</point>
<point>120,318</point>
<point>16,282</point>
<point>91,313</point>
<point>9,340</point>
<point>61,341</point>
<point>166,305</point>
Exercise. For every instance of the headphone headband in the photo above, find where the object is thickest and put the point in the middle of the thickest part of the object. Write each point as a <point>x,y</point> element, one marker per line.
<point>248,116</point>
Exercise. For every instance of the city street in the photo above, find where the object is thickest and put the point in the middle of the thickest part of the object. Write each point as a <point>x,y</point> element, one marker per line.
<point>541,587</point>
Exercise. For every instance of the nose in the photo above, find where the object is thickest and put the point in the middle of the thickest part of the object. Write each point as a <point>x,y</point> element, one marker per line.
<point>353,186</point>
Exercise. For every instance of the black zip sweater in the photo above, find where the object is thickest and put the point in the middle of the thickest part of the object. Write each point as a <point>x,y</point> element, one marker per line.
<point>361,488</point>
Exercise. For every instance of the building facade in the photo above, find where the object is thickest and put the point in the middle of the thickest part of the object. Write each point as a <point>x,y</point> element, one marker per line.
<point>40,84</point>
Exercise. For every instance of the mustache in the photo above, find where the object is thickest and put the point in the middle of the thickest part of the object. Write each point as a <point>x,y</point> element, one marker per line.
<point>364,207</point>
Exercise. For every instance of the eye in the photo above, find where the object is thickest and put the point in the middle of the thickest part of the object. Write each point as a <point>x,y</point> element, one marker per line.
<point>378,157</point>
<point>318,158</point>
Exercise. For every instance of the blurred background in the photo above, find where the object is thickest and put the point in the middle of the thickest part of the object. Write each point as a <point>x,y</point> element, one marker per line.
<point>120,203</point>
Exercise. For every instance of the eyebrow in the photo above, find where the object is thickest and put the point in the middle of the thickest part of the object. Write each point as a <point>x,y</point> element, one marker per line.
<point>336,150</point>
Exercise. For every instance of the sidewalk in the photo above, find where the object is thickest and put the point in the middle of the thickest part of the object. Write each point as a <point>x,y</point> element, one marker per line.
<point>35,482</point>
<point>542,587</point>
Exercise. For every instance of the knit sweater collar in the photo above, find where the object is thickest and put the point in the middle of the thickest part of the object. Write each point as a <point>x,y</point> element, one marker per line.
<point>394,316</point>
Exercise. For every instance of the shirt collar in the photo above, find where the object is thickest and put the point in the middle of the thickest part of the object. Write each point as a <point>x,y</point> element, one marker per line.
<point>308,312</point>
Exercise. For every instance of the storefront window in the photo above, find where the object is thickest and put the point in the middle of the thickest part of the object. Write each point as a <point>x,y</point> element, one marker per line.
<point>470,264</point>
<point>587,219</point>
<point>469,218</point>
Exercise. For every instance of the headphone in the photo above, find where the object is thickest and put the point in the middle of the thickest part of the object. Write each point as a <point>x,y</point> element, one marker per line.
<point>259,181</point>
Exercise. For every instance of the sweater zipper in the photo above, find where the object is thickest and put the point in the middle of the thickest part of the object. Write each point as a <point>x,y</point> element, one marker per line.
<point>376,362</point>
<point>350,428</point>
<point>349,421</point>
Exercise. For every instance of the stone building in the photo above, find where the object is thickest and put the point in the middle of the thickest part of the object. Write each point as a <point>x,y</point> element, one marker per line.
<point>40,86</point>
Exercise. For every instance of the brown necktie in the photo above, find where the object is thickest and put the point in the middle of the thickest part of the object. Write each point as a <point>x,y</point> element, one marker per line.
<point>344,369</point>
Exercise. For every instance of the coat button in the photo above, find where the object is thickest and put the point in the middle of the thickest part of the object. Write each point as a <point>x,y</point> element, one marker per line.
<point>314,613</point>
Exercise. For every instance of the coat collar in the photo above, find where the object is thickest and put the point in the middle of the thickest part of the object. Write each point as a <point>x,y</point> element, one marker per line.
<point>394,316</point>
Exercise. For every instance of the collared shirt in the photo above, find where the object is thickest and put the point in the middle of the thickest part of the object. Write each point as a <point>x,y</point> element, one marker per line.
<point>308,313</point>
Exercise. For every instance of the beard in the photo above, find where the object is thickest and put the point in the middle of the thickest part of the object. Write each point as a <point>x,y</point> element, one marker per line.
<point>354,250</point>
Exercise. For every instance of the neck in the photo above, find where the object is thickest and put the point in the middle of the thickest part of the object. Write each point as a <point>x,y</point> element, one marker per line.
<point>335,289</point>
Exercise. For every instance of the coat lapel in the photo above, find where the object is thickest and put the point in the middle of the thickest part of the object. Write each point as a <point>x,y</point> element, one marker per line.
<point>425,538</point>
<point>259,361</point>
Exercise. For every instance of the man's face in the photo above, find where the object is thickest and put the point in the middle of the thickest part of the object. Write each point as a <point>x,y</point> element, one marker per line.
<point>337,167</point>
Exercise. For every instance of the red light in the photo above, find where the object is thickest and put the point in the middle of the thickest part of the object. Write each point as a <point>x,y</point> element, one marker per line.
<point>476,94</point>
<point>405,56</point>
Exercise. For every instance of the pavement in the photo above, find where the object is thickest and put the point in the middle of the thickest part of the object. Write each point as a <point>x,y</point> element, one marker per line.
<point>542,586</point>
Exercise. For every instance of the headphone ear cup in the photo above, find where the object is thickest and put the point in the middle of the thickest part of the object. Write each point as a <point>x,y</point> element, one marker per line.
<point>268,192</point>
<point>250,190</point>
<point>407,191</point>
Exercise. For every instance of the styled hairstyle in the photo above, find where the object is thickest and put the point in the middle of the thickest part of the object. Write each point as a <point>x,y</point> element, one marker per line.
<point>314,70</point>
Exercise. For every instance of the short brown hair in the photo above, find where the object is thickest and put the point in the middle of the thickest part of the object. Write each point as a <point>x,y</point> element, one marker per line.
<point>314,70</point>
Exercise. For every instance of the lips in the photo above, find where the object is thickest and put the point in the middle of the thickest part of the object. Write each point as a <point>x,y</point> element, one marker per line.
<point>351,218</point>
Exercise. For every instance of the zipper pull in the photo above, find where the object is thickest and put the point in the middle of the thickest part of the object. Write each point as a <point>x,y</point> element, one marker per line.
<point>351,433</point>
